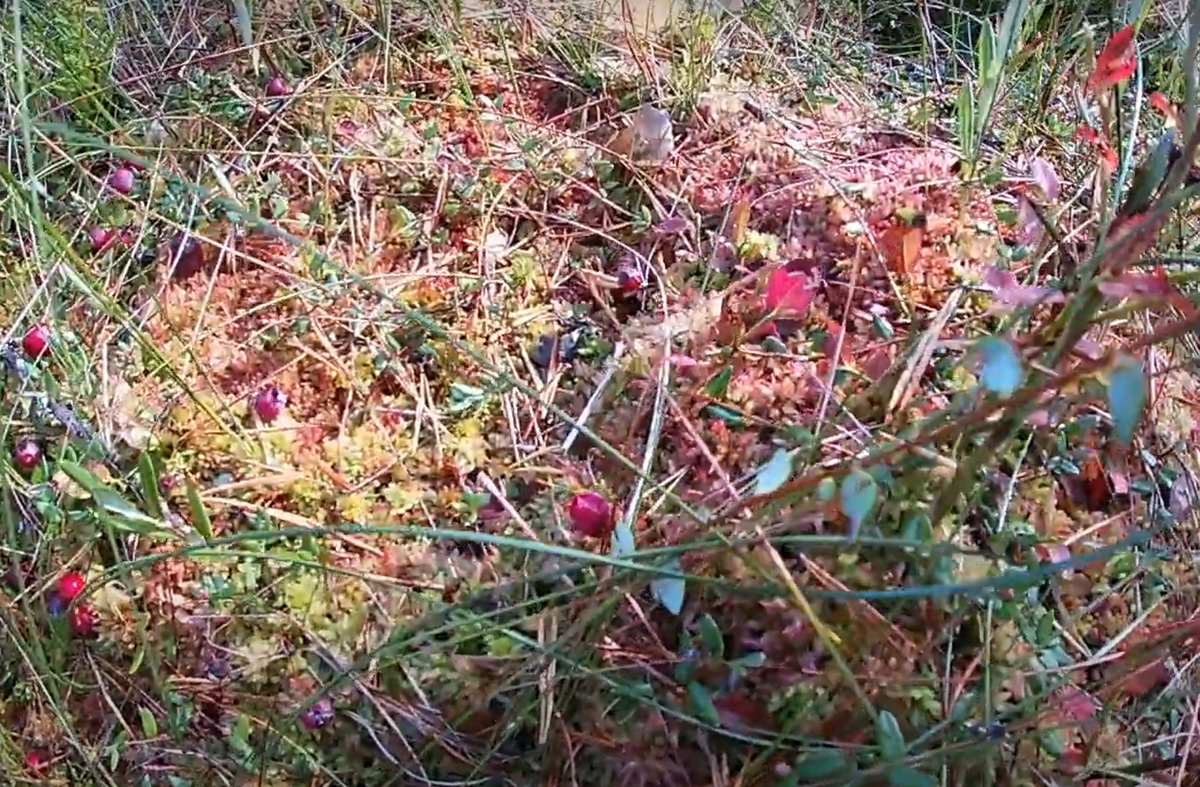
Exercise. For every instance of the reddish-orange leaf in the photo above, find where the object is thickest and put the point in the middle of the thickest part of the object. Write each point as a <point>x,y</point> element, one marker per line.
<point>1163,105</point>
<point>1108,156</point>
<point>901,246</point>
<point>1116,62</point>
<point>1144,679</point>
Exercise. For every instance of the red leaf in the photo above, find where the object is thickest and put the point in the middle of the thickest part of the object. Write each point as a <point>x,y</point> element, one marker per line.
<point>1116,62</point>
<point>1169,111</point>
<point>788,293</point>
<point>1128,285</point>
<point>901,246</point>
<point>1010,294</point>
<point>1108,156</point>
<point>1075,705</point>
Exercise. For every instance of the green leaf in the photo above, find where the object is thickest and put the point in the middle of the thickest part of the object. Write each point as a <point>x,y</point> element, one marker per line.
<point>774,473</point>
<point>669,591</point>
<point>888,736</point>
<point>200,518</point>
<point>702,705</point>
<point>904,776</point>
<point>826,489</point>
<point>1126,397</point>
<point>1149,176</point>
<point>150,480</point>
<point>710,636</point>
<point>819,766</point>
<point>623,543</point>
<point>149,723</point>
<point>1002,372</point>
<point>719,384</point>
<point>858,496</point>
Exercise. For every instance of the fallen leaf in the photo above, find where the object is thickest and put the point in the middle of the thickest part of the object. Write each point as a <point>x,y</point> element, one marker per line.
<point>901,247</point>
<point>788,292</point>
<point>1076,705</point>
<point>1116,62</point>
<point>1045,176</point>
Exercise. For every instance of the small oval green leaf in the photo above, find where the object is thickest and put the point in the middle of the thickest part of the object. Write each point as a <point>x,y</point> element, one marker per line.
<point>669,591</point>
<point>826,489</point>
<point>200,519</point>
<point>1126,397</point>
<point>774,473</point>
<point>702,704</point>
<point>1002,372</point>
<point>819,766</point>
<point>858,496</point>
<point>710,636</point>
<point>888,736</point>
<point>149,724</point>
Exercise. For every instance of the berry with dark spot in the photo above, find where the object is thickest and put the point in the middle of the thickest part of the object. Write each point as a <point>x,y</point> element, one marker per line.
<point>36,341</point>
<point>590,514</point>
<point>269,403</point>
<point>276,87</point>
<point>121,180</point>
<point>629,278</point>
<point>27,454</point>
<point>71,585</point>
<point>318,714</point>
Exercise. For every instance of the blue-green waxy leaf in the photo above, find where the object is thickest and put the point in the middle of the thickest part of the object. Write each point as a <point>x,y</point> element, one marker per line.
<point>857,498</point>
<point>888,736</point>
<point>1126,397</point>
<point>668,591</point>
<point>702,704</point>
<point>900,775</point>
<point>774,473</point>
<point>819,766</point>
<point>1001,371</point>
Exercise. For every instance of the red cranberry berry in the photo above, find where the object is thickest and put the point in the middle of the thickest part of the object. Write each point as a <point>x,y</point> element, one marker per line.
<point>36,341</point>
<point>629,278</point>
<point>27,454</point>
<point>99,238</point>
<point>121,180</point>
<point>269,403</point>
<point>590,514</point>
<point>187,255</point>
<point>318,714</point>
<point>71,585</point>
<point>36,762</point>
<point>82,621</point>
<point>276,87</point>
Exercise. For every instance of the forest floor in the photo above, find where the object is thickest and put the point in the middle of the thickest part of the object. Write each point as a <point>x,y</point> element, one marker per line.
<point>492,404</point>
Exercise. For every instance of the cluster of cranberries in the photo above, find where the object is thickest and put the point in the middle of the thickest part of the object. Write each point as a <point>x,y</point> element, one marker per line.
<point>81,618</point>
<point>318,714</point>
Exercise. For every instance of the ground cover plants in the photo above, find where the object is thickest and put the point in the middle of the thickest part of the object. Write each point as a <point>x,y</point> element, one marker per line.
<point>473,396</point>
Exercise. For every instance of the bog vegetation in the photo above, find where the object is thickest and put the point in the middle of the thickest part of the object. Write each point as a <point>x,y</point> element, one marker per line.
<point>740,394</point>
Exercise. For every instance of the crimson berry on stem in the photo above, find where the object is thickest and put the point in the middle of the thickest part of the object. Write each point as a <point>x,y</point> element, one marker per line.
<point>318,714</point>
<point>99,238</point>
<point>269,403</point>
<point>36,341</point>
<point>71,585</point>
<point>590,514</point>
<point>36,761</point>
<point>82,620</point>
<point>121,180</point>
<point>27,454</point>
<point>276,87</point>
